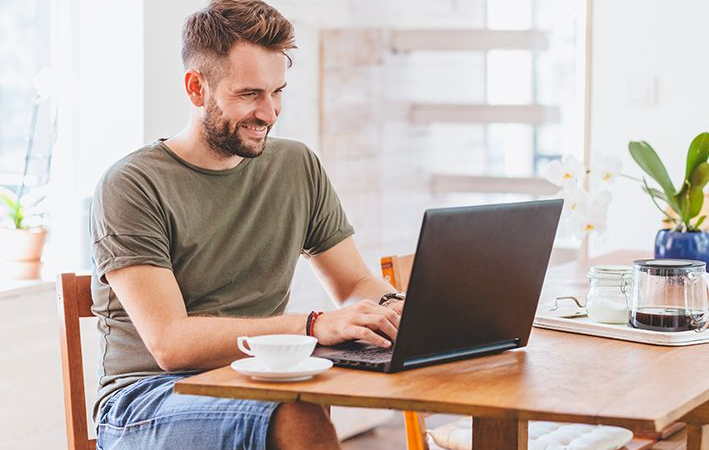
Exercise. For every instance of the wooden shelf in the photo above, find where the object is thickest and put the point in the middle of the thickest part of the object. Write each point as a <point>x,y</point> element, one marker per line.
<point>481,113</point>
<point>443,183</point>
<point>467,40</point>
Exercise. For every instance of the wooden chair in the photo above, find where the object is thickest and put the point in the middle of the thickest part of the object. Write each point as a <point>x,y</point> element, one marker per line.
<point>74,302</point>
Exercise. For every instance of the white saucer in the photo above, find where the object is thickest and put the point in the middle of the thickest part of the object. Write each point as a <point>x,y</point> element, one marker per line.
<point>303,371</point>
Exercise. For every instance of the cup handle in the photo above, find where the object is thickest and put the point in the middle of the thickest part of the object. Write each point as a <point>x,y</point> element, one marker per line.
<point>241,342</point>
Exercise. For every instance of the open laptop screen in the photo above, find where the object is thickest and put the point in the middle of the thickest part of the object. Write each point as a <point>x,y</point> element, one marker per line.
<point>476,279</point>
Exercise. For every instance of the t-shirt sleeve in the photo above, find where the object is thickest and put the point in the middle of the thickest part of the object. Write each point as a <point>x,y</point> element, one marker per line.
<point>328,223</point>
<point>128,227</point>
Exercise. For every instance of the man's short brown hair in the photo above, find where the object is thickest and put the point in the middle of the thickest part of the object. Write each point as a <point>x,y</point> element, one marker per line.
<point>209,34</point>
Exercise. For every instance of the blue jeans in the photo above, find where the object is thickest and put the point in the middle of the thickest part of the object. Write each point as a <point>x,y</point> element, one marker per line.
<point>147,415</point>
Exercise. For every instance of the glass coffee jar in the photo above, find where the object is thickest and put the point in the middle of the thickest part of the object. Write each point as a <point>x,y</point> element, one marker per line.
<point>606,301</point>
<point>669,295</point>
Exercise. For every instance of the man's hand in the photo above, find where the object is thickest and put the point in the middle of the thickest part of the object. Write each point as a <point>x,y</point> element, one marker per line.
<point>365,320</point>
<point>397,306</point>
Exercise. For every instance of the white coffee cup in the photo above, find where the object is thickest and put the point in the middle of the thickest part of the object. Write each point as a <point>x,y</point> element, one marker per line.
<point>278,351</point>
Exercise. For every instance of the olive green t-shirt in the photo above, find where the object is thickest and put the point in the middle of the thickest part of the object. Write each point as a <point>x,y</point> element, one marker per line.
<point>231,237</point>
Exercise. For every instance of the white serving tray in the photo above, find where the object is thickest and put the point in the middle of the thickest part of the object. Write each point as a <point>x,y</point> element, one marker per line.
<point>584,325</point>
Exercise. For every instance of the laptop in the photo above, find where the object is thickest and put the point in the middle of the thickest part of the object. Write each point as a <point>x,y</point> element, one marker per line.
<point>474,287</point>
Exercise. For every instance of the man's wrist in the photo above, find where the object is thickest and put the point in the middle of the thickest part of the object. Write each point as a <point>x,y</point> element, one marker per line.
<point>310,322</point>
<point>391,297</point>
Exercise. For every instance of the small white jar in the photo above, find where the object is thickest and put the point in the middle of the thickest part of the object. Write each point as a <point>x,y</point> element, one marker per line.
<point>606,298</point>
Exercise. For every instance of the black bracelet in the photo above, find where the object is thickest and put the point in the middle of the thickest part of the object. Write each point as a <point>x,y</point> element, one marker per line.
<point>307,323</point>
<point>391,296</point>
<point>310,323</point>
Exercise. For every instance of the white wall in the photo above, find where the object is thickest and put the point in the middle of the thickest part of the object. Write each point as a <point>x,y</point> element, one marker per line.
<point>165,103</point>
<point>97,57</point>
<point>633,39</point>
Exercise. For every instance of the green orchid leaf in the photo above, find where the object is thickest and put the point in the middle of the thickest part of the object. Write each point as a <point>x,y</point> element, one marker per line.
<point>700,175</point>
<point>651,191</point>
<point>698,153</point>
<point>683,190</point>
<point>683,203</point>
<point>699,222</point>
<point>683,193</point>
<point>647,159</point>
<point>696,201</point>
<point>655,193</point>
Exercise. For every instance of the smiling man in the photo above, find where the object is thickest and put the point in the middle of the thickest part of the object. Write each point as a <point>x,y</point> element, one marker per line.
<point>195,241</point>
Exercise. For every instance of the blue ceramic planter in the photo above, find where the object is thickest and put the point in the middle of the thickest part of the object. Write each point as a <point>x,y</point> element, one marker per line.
<point>673,244</point>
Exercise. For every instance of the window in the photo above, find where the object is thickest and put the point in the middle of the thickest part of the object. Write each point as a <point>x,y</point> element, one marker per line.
<point>24,51</point>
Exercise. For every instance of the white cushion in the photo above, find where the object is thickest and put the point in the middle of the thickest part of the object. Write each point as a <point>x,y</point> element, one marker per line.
<point>458,435</point>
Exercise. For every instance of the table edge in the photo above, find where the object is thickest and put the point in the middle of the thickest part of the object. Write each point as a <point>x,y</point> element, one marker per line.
<point>184,387</point>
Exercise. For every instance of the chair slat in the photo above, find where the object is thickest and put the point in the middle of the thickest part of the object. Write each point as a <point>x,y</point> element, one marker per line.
<point>83,295</point>
<point>74,301</point>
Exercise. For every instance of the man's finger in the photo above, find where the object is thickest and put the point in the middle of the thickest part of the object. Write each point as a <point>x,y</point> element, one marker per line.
<point>389,313</point>
<point>373,338</point>
<point>381,324</point>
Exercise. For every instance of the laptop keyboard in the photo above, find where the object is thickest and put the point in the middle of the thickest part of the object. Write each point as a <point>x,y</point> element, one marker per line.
<point>370,354</point>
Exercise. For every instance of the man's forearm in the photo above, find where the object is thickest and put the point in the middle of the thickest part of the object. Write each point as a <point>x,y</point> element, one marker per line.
<point>210,342</point>
<point>370,288</point>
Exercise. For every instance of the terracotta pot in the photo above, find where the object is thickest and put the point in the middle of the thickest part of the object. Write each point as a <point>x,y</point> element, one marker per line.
<point>20,270</point>
<point>21,252</point>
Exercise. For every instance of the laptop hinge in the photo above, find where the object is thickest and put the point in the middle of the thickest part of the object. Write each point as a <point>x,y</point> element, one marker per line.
<point>495,347</point>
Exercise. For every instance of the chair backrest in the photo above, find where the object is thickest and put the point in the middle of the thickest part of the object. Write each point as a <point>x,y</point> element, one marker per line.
<point>74,302</point>
<point>396,270</point>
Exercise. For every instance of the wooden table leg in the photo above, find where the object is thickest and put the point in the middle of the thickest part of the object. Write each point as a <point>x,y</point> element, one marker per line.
<point>500,434</point>
<point>697,437</point>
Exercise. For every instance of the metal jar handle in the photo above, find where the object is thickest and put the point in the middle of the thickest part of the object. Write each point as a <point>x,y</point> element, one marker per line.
<point>625,288</point>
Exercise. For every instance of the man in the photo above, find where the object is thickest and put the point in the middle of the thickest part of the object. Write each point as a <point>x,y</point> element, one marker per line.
<point>195,240</point>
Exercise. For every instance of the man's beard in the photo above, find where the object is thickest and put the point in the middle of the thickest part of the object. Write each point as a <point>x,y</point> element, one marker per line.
<point>224,140</point>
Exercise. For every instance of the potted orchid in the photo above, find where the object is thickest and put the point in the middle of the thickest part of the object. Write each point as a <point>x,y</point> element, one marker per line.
<point>681,208</point>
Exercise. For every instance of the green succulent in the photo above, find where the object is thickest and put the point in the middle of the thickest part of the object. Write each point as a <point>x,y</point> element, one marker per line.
<point>687,202</point>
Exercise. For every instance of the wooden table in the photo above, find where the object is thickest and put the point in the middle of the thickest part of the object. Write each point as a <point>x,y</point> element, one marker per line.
<point>558,377</point>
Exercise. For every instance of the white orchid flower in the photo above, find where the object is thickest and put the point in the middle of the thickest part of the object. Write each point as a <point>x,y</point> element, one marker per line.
<point>584,213</point>
<point>590,214</point>
<point>607,169</point>
<point>567,171</point>
<point>575,197</point>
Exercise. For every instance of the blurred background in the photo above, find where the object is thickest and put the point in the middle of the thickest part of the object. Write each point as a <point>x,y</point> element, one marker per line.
<point>409,104</point>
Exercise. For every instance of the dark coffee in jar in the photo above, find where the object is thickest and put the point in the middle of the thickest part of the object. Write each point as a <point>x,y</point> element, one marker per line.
<point>665,319</point>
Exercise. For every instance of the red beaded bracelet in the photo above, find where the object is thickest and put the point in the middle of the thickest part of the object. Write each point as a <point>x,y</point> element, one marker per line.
<point>310,323</point>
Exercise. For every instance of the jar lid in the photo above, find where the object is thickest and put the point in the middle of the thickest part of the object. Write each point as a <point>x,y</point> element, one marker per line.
<point>609,271</point>
<point>668,267</point>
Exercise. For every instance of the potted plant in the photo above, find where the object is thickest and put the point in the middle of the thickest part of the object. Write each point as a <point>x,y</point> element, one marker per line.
<point>682,209</point>
<point>22,234</point>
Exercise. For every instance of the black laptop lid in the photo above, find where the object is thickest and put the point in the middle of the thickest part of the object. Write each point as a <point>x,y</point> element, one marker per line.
<point>476,278</point>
